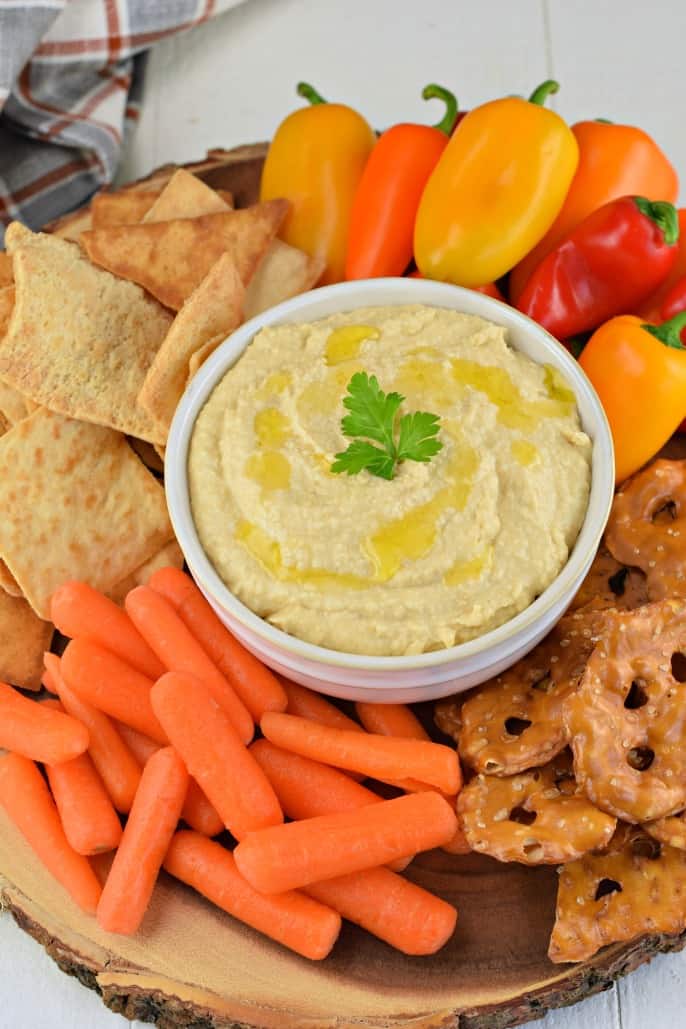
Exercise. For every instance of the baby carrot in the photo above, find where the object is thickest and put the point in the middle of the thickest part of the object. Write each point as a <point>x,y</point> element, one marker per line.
<point>179,651</point>
<point>307,788</point>
<point>79,610</point>
<point>108,683</point>
<point>197,810</point>
<point>458,844</point>
<point>382,757</point>
<point>396,910</point>
<point>149,829</point>
<point>215,755</point>
<point>308,704</point>
<point>257,687</point>
<point>37,732</point>
<point>27,801</point>
<point>286,857</point>
<point>88,818</point>
<point>114,762</point>
<point>291,918</point>
<point>391,720</point>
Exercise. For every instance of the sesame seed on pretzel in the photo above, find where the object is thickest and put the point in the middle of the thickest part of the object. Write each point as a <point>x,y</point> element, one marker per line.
<point>514,722</point>
<point>535,817</point>
<point>647,527</point>
<point>611,584</point>
<point>627,719</point>
<point>635,886</point>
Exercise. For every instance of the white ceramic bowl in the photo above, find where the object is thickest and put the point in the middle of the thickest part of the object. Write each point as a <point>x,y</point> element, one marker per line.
<point>421,676</point>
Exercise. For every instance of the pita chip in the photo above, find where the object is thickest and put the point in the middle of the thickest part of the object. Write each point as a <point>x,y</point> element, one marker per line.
<point>8,584</point>
<point>124,208</point>
<point>171,258</point>
<point>282,273</point>
<point>169,556</point>
<point>7,297</point>
<point>186,196</point>
<point>23,640</point>
<point>80,340</point>
<point>6,274</point>
<point>77,504</point>
<point>72,225</point>
<point>199,357</point>
<point>211,312</point>
<point>13,406</point>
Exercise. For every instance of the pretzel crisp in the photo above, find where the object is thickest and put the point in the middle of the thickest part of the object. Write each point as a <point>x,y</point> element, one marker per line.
<point>671,830</point>
<point>611,584</point>
<point>647,527</point>
<point>627,719</point>
<point>534,818</point>
<point>515,722</point>
<point>636,886</point>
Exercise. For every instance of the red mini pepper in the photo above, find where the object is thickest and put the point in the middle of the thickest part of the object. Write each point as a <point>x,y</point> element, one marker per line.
<point>613,260</point>
<point>387,198</point>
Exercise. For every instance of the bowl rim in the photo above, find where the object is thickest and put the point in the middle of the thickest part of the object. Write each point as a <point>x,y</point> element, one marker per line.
<point>417,291</point>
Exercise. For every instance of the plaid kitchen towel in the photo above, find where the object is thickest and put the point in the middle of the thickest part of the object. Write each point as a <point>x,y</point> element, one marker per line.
<point>70,87</point>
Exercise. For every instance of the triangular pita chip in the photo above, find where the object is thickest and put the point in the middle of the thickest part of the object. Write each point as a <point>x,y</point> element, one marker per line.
<point>185,196</point>
<point>213,310</point>
<point>23,639</point>
<point>282,273</point>
<point>72,225</point>
<point>8,584</point>
<point>199,356</point>
<point>171,258</point>
<point>170,555</point>
<point>77,504</point>
<point>80,341</point>
<point>7,296</point>
<point>124,208</point>
<point>6,274</point>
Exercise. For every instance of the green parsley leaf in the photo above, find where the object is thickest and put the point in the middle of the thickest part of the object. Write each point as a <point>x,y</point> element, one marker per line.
<point>373,417</point>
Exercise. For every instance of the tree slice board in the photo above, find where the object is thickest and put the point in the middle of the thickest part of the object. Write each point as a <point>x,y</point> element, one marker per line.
<point>191,965</point>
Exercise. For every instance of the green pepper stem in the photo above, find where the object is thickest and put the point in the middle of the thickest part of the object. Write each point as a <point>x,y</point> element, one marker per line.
<point>669,332</point>
<point>304,89</point>
<point>603,121</point>
<point>663,214</point>
<point>447,122</point>
<point>541,94</point>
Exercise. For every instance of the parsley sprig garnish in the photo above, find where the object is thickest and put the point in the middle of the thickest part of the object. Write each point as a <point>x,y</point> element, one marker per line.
<point>373,417</point>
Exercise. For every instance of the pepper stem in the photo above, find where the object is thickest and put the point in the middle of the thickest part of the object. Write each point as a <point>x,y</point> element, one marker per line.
<point>663,214</point>
<point>304,89</point>
<point>669,332</point>
<point>447,122</point>
<point>541,94</point>
<point>603,121</point>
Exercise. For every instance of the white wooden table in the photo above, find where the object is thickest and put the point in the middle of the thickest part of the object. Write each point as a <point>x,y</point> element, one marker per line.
<point>233,80</point>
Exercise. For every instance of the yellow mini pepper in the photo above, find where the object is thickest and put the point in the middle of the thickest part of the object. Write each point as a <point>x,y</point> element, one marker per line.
<point>316,160</point>
<point>496,190</point>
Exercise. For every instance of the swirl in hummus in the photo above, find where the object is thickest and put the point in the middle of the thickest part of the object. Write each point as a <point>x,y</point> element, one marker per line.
<point>440,554</point>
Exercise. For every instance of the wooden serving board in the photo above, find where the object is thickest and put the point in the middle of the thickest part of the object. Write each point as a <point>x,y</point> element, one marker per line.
<point>193,966</point>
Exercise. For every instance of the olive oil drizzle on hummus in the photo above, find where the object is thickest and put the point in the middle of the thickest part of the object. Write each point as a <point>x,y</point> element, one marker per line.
<point>345,343</point>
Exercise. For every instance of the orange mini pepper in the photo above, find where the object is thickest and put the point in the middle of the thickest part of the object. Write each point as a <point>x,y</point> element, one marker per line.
<point>639,373</point>
<point>496,190</point>
<point>316,160</point>
<point>614,161</point>
<point>387,198</point>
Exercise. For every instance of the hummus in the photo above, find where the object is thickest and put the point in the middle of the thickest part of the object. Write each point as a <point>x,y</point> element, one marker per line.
<point>441,553</point>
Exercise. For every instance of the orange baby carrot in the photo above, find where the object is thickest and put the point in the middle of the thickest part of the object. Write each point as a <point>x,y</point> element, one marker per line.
<point>215,755</point>
<point>286,857</point>
<point>391,720</point>
<point>108,683</point>
<point>296,921</point>
<point>306,789</point>
<point>79,610</point>
<point>396,910</point>
<point>27,801</point>
<point>179,651</point>
<point>197,810</point>
<point>114,762</point>
<point>37,732</point>
<point>149,829</point>
<point>308,704</point>
<point>382,757</point>
<point>257,687</point>
<point>88,818</point>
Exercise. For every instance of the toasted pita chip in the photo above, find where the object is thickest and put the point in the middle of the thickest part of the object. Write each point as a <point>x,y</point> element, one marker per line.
<point>72,225</point>
<point>213,310</point>
<point>125,208</point>
<point>7,298</point>
<point>185,196</point>
<point>6,273</point>
<point>77,504</point>
<point>171,258</point>
<point>80,340</point>
<point>199,357</point>
<point>23,639</point>
<point>13,406</point>
<point>282,273</point>
<point>8,584</point>
<point>169,555</point>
